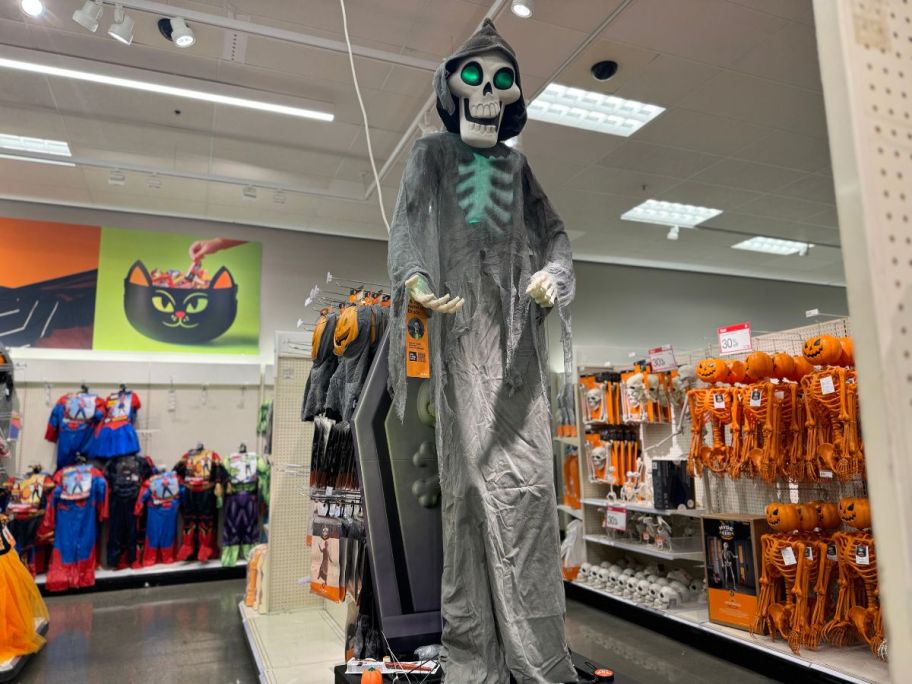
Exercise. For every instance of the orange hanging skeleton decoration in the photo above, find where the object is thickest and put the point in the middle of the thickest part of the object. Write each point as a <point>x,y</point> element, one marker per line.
<point>759,366</point>
<point>831,401</point>
<point>857,613</point>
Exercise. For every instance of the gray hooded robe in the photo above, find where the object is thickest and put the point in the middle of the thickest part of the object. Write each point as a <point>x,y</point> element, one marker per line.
<point>476,224</point>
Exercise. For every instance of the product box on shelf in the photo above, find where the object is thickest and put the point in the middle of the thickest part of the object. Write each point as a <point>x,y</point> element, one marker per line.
<point>731,548</point>
<point>672,486</point>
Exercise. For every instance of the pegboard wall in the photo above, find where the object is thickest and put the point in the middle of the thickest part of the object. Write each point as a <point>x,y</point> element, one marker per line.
<point>290,510</point>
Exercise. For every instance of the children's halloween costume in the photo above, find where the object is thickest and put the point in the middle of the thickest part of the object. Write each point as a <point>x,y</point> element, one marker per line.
<point>79,502</point>
<point>72,425</point>
<point>204,478</point>
<point>115,434</point>
<point>20,603</point>
<point>25,508</point>
<point>240,531</point>
<point>160,499</point>
<point>125,476</point>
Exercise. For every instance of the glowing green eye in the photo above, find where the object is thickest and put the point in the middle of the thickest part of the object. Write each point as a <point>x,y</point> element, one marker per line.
<point>503,79</point>
<point>162,303</point>
<point>471,74</point>
<point>197,304</point>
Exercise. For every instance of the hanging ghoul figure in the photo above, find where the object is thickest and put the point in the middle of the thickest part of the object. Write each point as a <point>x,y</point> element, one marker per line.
<point>473,225</point>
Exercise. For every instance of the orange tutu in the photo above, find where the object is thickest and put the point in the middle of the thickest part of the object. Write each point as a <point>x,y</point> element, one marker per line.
<point>20,604</point>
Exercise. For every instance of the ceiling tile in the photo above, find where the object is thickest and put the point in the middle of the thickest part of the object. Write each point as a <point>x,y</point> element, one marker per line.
<point>747,175</point>
<point>782,207</point>
<point>814,187</point>
<point>782,148</point>
<point>666,80</point>
<point>658,159</point>
<point>624,182</point>
<point>780,228</point>
<point>543,142</point>
<point>527,36</point>
<point>796,10</point>
<point>715,196</point>
<point>828,217</point>
<point>631,61</point>
<point>789,56</point>
<point>700,131</point>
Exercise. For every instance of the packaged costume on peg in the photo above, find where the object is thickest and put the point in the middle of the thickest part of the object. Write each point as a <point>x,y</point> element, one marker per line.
<point>160,499</point>
<point>125,476</point>
<point>204,478</point>
<point>240,532</point>
<point>115,435</point>
<point>72,425</point>
<point>28,496</point>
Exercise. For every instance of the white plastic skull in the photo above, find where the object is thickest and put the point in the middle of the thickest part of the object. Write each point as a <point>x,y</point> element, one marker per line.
<point>603,577</point>
<point>599,455</point>
<point>655,589</point>
<point>682,589</point>
<point>698,589</point>
<point>583,575</point>
<point>483,85</point>
<point>662,581</point>
<point>681,576</point>
<point>631,589</point>
<point>643,590</point>
<point>636,390</point>
<point>668,598</point>
<point>614,574</point>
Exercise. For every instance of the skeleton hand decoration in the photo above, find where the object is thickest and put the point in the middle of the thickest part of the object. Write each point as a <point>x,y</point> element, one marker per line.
<point>420,291</point>
<point>543,289</point>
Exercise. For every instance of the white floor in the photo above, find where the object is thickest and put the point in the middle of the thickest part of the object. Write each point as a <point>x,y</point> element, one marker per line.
<point>301,647</point>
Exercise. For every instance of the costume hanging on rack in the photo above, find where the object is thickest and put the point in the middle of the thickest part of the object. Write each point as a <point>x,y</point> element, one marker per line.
<point>20,603</point>
<point>204,477</point>
<point>240,532</point>
<point>125,476</point>
<point>160,499</point>
<point>324,366</point>
<point>115,435</point>
<point>27,503</point>
<point>72,425</point>
<point>79,502</point>
<point>473,222</point>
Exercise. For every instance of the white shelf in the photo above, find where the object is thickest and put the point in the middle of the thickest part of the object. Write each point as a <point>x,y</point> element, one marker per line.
<point>645,549</point>
<point>575,512</point>
<point>642,508</point>
<point>9,667</point>
<point>850,664</point>
<point>159,569</point>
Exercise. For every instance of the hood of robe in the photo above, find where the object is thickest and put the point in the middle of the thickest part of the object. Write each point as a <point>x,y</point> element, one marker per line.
<point>485,39</point>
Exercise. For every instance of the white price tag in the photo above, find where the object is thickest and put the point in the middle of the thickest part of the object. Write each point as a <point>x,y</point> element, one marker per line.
<point>831,552</point>
<point>616,518</point>
<point>718,400</point>
<point>662,358</point>
<point>809,552</point>
<point>828,474</point>
<point>788,556</point>
<point>779,394</point>
<point>810,313</point>
<point>862,557</point>
<point>735,339</point>
<point>826,385</point>
<point>756,398</point>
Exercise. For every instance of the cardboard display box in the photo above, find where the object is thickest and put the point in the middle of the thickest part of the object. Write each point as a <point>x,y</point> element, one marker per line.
<point>731,549</point>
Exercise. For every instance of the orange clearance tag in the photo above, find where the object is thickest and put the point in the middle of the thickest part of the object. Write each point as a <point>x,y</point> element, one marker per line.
<point>417,357</point>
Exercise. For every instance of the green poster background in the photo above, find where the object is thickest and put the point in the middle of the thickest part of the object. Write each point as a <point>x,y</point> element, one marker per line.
<point>120,248</point>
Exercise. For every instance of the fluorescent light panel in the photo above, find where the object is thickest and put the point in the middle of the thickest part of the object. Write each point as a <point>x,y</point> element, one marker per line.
<point>20,143</point>
<point>591,111</point>
<point>773,246</point>
<point>670,214</point>
<point>36,160</point>
<point>74,74</point>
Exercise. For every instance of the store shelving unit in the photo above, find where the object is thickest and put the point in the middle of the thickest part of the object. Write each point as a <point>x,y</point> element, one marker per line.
<point>11,668</point>
<point>644,549</point>
<point>162,572</point>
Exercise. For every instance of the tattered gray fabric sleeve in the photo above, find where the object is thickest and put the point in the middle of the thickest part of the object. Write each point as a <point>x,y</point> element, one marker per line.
<point>552,248</point>
<point>412,249</point>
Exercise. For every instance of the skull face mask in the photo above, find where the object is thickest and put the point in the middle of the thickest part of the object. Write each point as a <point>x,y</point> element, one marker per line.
<point>483,85</point>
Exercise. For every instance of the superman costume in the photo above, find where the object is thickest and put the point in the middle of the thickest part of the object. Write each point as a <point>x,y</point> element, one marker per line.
<point>125,476</point>
<point>28,497</point>
<point>160,498</point>
<point>204,476</point>
<point>78,503</point>
<point>115,434</point>
<point>240,532</point>
<point>72,424</point>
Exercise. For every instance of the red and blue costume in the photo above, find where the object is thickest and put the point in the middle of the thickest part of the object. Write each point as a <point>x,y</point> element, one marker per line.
<point>78,503</point>
<point>115,434</point>
<point>28,497</point>
<point>160,498</point>
<point>72,425</point>
<point>204,478</point>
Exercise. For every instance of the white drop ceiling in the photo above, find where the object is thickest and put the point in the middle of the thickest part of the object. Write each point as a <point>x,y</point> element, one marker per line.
<point>744,129</point>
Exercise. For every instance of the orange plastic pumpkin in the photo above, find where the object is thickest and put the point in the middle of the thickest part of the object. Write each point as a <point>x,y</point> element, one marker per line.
<point>827,515</point>
<point>782,517</point>
<point>802,367</point>
<point>783,365</point>
<point>711,370</point>
<point>807,517</point>
<point>759,366</point>
<point>736,371</point>
<point>855,512</point>
<point>822,350</point>
<point>848,351</point>
<point>371,676</point>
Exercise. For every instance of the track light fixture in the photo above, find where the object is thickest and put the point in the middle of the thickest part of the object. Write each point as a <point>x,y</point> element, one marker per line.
<point>522,8</point>
<point>33,8</point>
<point>176,30</point>
<point>89,15</point>
<point>122,28</point>
<point>673,233</point>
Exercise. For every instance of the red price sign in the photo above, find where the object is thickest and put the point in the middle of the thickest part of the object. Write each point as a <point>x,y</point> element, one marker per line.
<point>735,339</point>
<point>662,358</point>
<point>616,518</point>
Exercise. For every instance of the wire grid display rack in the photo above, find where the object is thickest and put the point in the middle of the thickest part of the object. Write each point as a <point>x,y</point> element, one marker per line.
<point>750,496</point>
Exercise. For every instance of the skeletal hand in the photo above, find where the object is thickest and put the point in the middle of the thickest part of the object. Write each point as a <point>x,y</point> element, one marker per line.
<point>420,291</point>
<point>542,289</point>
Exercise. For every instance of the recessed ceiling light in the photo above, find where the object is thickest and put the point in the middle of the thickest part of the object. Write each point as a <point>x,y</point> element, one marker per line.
<point>591,111</point>
<point>89,15</point>
<point>20,143</point>
<point>148,87</point>
<point>122,28</point>
<point>522,8</point>
<point>670,214</point>
<point>33,8</point>
<point>774,246</point>
<point>52,162</point>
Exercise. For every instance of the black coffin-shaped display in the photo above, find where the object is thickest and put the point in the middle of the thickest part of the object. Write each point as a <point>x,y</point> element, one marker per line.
<point>180,315</point>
